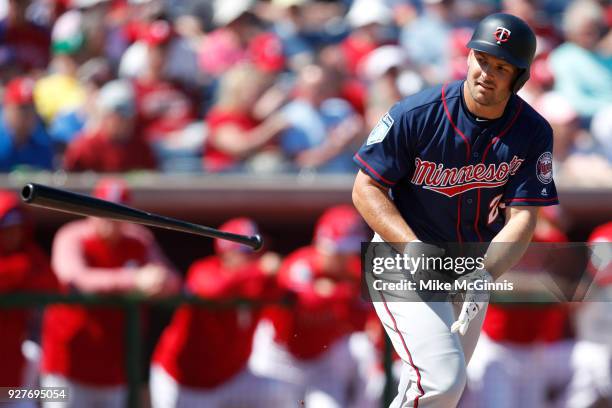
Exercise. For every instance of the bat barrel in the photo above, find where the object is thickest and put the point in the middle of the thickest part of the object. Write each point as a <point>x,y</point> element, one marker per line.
<point>61,200</point>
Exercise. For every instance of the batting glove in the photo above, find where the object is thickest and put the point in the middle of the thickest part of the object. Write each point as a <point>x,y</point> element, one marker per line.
<point>474,300</point>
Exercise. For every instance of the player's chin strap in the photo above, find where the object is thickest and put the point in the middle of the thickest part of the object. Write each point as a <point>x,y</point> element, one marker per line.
<point>475,300</point>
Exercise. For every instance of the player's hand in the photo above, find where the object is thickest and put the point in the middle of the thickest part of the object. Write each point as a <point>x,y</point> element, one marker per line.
<point>324,287</point>
<point>270,263</point>
<point>419,249</point>
<point>474,301</point>
<point>150,279</point>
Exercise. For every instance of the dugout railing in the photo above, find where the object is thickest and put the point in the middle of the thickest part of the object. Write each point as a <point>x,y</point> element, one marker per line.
<point>132,304</point>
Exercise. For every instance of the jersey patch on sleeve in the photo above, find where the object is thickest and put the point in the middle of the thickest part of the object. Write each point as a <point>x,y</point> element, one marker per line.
<point>544,168</point>
<point>381,129</point>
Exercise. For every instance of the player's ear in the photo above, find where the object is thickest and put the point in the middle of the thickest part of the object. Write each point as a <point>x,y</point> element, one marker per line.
<point>469,58</point>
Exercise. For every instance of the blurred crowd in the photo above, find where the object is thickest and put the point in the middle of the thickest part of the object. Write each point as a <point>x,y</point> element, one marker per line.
<point>308,338</point>
<point>272,86</point>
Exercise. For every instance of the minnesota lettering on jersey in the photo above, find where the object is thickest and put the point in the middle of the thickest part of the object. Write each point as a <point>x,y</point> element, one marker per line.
<point>452,181</point>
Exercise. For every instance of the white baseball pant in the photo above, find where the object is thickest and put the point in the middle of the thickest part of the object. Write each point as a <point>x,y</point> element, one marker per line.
<point>434,360</point>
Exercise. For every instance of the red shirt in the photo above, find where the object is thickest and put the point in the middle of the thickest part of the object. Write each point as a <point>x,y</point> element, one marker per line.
<point>216,160</point>
<point>355,49</point>
<point>97,153</point>
<point>204,347</point>
<point>315,321</point>
<point>26,270</point>
<point>87,344</point>
<point>162,108</point>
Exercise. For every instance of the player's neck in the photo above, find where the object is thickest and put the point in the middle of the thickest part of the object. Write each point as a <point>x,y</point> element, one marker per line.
<point>482,111</point>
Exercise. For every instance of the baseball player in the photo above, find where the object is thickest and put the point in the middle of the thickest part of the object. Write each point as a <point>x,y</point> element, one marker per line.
<point>520,337</point>
<point>591,384</point>
<point>201,358</point>
<point>309,345</point>
<point>83,347</point>
<point>467,161</point>
<point>24,267</point>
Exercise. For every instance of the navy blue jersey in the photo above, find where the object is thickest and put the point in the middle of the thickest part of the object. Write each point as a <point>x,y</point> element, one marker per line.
<point>449,174</point>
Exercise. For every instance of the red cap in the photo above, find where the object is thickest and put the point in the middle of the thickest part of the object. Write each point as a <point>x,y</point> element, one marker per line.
<point>340,229</point>
<point>267,52</point>
<point>11,212</point>
<point>19,91</point>
<point>113,189</point>
<point>243,226</point>
<point>157,33</point>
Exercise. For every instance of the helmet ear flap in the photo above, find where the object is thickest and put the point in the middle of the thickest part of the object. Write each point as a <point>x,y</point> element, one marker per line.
<point>520,80</point>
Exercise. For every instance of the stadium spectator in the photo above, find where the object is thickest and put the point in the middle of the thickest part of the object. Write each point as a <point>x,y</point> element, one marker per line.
<point>367,19</point>
<point>289,24</point>
<point>576,156</point>
<point>601,129</point>
<point>180,59</point>
<point>235,135</point>
<point>228,44</point>
<point>110,141</point>
<point>459,37</point>
<point>83,347</point>
<point>583,74</point>
<point>68,123</point>
<point>547,35</point>
<point>24,46</point>
<point>427,40</point>
<point>349,87</point>
<point>541,80</point>
<point>24,142</point>
<point>24,267</point>
<point>390,79</point>
<point>94,25</point>
<point>322,127</point>
<point>201,359</point>
<point>60,89</point>
<point>307,346</point>
<point>164,108</point>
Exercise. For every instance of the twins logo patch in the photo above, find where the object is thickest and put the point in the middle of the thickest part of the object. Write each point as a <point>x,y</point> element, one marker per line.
<point>381,129</point>
<point>544,168</point>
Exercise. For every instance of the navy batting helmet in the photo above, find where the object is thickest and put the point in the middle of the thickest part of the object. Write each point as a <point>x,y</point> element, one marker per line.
<point>509,38</point>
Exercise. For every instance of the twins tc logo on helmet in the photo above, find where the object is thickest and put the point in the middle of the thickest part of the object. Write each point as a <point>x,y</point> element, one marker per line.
<point>544,168</point>
<point>502,34</point>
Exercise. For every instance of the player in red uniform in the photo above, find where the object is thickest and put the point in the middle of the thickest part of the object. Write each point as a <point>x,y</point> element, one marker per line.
<point>201,359</point>
<point>517,338</point>
<point>23,268</point>
<point>83,347</point>
<point>308,346</point>
<point>591,385</point>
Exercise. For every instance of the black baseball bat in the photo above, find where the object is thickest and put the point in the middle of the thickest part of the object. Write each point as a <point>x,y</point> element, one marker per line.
<point>39,195</point>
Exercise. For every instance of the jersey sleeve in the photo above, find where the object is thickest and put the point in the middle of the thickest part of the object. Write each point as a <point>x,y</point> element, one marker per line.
<point>385,156</point>
<point>533,184</point>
